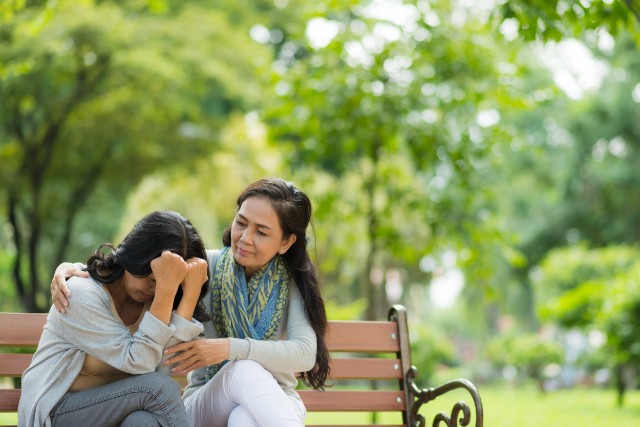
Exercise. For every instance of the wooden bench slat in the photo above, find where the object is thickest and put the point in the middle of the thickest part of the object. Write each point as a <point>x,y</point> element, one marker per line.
<point>359,336</point>
<point>21,329</point>
<point>322,401</point>
<point>353,401</point>
<point>366,368</point>
<point>9,400</point>
<point>25,329</point>
<point>14,364</point>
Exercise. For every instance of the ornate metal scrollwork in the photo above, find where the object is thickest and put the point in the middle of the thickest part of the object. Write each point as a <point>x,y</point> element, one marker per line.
<point>460,414</point>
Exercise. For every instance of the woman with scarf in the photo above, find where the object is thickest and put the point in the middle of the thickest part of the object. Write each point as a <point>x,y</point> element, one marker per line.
<point>268,317</point>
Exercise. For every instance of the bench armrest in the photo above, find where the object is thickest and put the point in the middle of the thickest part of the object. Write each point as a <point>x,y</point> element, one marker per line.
<point>460,413</point>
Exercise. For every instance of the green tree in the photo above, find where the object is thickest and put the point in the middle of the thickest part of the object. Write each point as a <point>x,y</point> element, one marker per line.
<point>580,160</point>
<point>527,352</point>
<point>94,97</point>
<point>407,106</point>
<point>596,289</point>
<point>207,192</point>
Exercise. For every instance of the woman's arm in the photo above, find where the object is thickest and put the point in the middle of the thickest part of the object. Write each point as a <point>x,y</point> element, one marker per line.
<point>296,353</point>
<point>90,325</point>
<point>187,328</point>
<point>183,326</point>
<point>185,331</point>
<point>192,286</point>
<point>169,271</point>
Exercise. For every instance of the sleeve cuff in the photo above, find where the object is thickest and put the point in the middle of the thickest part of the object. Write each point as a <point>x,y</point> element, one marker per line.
<point>156,329</point>
<point>239,348</point>
<point>185,330</point>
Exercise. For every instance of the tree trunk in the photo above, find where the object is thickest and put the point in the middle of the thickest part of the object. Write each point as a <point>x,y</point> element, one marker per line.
<point>38,139</point>
<point>621,384</point>
<point>17,261</point>
<point>32,251</point>
<point>78,198</point>
<point>373,291</point>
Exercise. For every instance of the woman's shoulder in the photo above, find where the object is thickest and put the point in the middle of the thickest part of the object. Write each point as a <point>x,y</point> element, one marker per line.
<point>212,256</point>
<point>294,292</point>
<point>86,288</point>
<point>213,253</point>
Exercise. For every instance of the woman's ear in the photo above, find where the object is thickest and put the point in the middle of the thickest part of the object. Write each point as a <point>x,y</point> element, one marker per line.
<point>286,243</point>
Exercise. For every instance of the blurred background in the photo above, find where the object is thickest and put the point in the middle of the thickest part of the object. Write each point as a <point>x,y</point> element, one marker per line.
<point>476,161</point>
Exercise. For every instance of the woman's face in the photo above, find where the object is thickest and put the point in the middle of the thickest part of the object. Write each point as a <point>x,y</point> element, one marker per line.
<point>140,289</point>
<point>256,235</point>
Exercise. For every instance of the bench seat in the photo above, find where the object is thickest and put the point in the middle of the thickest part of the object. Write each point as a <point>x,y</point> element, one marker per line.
<point>371,372</point>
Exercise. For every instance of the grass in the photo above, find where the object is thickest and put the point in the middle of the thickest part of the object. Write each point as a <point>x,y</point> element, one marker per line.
<point>518,407</point>
<point>526,407</point>
<point>8,419</point>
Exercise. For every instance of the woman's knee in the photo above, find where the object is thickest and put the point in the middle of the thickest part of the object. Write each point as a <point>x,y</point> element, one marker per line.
<point>140,419</point>
<point>161,383</point>
<point>240,417</point>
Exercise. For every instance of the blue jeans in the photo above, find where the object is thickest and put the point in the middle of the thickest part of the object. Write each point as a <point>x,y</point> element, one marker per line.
<point>141,400</point>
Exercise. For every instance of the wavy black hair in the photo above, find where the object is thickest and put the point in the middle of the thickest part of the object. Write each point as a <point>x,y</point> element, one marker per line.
<point>157,232</point>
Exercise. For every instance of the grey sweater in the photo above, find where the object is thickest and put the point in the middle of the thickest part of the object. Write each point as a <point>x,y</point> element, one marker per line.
<point>89,327</point>
<point>294,351</point>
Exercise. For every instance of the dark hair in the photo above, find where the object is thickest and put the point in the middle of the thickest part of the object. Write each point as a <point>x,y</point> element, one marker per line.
<point>293,208</point>
<point>157,232</point>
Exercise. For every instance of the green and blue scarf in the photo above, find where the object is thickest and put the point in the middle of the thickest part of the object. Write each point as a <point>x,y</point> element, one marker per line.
<point>247,310</point>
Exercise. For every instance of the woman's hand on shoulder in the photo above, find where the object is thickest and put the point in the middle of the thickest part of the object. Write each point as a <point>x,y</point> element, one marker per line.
<point>60,293</point>
<point>196,354</point>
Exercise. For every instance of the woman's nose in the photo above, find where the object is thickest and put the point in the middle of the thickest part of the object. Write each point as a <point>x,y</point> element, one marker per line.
<point>246,237</point>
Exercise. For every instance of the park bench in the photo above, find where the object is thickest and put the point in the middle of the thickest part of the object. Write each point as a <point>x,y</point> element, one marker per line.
<point>371,358</point>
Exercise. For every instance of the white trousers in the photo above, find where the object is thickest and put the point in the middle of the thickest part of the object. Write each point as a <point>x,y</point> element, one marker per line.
<point>244,394</point>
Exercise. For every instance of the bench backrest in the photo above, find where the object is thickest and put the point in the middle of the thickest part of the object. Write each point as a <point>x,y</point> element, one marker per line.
<point>18,330</point>
<point>362,352</point>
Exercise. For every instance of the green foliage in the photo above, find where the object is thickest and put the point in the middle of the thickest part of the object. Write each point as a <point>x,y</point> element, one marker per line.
<point>8,298</point>
<point>596,289</point>
<point>528,352</point>
<point>578,307</point>
<point>570,173</point>
<point>391,106</point>
<point>565,269</point>
<point>556,19</point>
<point>207,192</point>
<point>350,311</point>
<point>573,283</point>
<point>126,77</point>
<point>621,316</point>
<point>430,349</point>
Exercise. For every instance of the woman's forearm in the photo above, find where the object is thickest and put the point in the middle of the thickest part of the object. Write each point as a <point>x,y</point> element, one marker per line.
<point>187,305</point>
